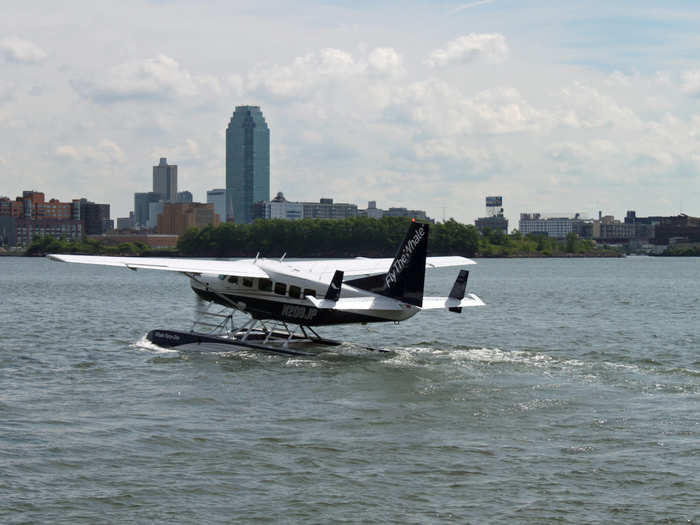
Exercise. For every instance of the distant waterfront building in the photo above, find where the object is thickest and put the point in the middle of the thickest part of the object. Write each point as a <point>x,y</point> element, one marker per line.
<point>494,219</point>
<point>557,227</point>
<point>278,208</point>
<point>183,196</point>
<point>247,163</point>
<point>281,208</point>
<point>154,209</point>
<point>165,180</point>
<point>678,229</point>
<point>176,218</point>
<point>8,231</point>
<point>326,209</point>
<point>60,229</point>
<point>142,202</point>
<point>405,212</point>
<point>608,229</point>
<point>32,215</point>
<point>217,197</point>
<point>645,226</point>
<point>126,223</point>
<point>373,212</point>
<point>95,216</point>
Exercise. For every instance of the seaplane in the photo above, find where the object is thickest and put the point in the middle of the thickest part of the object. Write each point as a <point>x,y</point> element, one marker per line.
<point>283,301</point>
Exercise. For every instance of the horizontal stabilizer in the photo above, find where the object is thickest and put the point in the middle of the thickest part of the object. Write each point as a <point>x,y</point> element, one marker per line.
<point>435,303</point>
<point>444,262</point>
<point>358,303</point>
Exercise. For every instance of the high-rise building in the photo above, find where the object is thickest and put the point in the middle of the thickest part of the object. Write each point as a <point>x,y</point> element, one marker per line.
<point>247,163</point>
<point>165,180</point>
<point>142,202</point>
<point>95,216</point>
<point>217,197</point>
<point>184,196</point>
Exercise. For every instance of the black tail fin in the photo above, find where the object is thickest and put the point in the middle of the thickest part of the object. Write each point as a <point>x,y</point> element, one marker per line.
<point>406,276</point>
<point>459,288</point>
<point>333,293</point>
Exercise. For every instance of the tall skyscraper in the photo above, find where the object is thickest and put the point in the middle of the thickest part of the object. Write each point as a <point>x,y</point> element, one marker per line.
<point>247,162</point>
<point>165,180</point>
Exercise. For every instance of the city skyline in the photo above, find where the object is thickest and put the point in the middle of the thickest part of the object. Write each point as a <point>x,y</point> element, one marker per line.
<point>560,109</point>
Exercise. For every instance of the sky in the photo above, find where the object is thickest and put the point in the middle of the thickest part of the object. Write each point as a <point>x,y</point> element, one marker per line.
<point>560,107</point>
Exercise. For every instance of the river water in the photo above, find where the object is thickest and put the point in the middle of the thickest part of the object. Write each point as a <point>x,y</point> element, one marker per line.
<point>572,397</point>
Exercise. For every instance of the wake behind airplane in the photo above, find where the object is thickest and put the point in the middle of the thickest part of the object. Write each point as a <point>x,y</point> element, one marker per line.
<point>285,299</point>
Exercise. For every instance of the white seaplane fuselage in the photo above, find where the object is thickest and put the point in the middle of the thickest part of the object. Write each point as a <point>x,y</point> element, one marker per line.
<point>296,295</point>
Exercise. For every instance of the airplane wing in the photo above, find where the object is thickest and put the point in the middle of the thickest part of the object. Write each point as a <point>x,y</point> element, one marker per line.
<point>365,267</point>
<point>238,268</point>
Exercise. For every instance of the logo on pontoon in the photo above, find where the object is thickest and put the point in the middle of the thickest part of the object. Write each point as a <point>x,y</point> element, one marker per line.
<point>171,337</point>
<point>401,262</point>
<point>298,312</point>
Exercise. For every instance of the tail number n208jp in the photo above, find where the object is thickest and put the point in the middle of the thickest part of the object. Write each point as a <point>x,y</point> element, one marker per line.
<point>298,312</point>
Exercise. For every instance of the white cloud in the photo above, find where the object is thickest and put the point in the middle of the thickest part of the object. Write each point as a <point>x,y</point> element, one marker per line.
<point>491,47</point>
<point>586,107</point>
<point>386,60</point>
<point>446,111</point>
<point>106,151</point>
<point>7,91</point>
<point>691,82</point>
<point>663,78</point>
<point>477,159</point>
<point>306,73</point>
<point>161,77</point>
<point>14,49</point>
<point>327,69</point>
<point>577,153</point>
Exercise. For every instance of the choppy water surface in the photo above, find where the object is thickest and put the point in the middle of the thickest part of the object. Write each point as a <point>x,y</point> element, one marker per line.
<point>573,397</point>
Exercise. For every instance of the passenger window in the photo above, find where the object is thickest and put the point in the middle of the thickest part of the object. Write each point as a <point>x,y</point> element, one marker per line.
<point>233,279</point>
<point>222,277</point>
<point>247,282</point>
<point>309,293</point>
<point>265,285</point>
<point>280,289</point>
<point>295,292</point>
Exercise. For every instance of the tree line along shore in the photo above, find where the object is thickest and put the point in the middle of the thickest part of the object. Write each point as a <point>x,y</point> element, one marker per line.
<point>335,238</point>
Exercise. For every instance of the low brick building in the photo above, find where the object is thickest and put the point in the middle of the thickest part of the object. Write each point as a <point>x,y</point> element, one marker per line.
<point>177,217</point>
